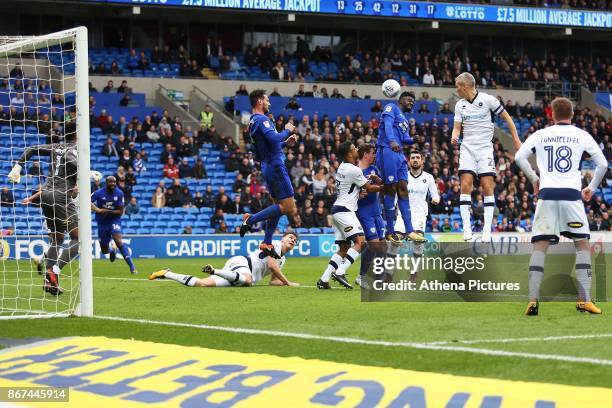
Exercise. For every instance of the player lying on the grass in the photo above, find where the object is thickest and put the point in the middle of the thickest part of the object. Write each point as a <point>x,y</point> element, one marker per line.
<point>269,152</point>
<point>369,215</point>
<point>347,228</point>
<point>391,161</point>
<point>241,270</point>
<point>108,203</point>
<point>558,150</point>
<point>474,121</point>
<point>56,202</point>
<point>421,187</point>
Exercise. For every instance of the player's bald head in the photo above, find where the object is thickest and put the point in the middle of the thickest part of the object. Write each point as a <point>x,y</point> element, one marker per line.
<point>111,182</point>
<point>466,79</point>
<point>563,109</point>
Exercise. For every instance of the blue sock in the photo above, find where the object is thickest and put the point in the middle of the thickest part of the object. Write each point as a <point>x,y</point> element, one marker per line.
<point>404,206</point>
<point>111,249</point>
<point>265,214</point>
<point>366,260</point>
<point>271,225</point>
<point>123,249</point>
<point>389,204</point>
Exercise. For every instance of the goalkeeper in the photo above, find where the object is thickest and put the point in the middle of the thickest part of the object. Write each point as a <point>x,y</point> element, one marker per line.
<point>56,202</point>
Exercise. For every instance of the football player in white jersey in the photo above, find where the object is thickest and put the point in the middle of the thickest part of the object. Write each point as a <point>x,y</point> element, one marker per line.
<point>560,211</point>
<point>240,270</point>
<point>347,228</point>
<point>421,185</point>
<point>474,120</point>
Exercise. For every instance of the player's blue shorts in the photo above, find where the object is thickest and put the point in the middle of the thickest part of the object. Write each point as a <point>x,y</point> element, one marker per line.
<point>278,181</point>
<point>373,226</point>
<point>392,165</point>
<point>106,232</point>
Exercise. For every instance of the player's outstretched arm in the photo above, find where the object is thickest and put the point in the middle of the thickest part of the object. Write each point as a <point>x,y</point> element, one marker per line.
<point>521,159</point>
<point>515,139</point>
<point>41,150</point>
<point>278,278</point>
<point>600,171</point>
<point>32,199</point>
<point>275,137</point>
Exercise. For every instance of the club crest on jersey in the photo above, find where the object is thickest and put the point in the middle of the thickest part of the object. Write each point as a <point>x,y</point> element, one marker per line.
<point>391,178</point>
<point>348,229</point>
<point>575,224</point>
<point>388,108</point>
<point>266,124</point>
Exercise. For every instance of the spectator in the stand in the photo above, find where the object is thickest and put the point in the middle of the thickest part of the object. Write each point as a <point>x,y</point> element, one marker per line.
<point>110,87</point>
<point>424,108</point>
<point>445,108</point>
<point>16,72</point>
<point>199,170</point>
<point>132,207</point>
<point>125,101</point>
<point>336,94</point>
<point>198,200</point>
<point>275,92</point>
<point>315,92</point>
<point>206,117</point>
<point>293,104</point>
<point>185,170</point>
<point>242,90</point>
<point>170,169</point>
<point>209,197</point>
<point>321,219</point>
<point>110,127</point>
<point>6,197</point>
<point>194,69</point>
<point>221,228</point>
<point>377,107</point>
<point>237,206</point>
<point>126,159</point>
<point>278,72</point>
<point>185,198</point>
<point>599,224</point>
<point>138,164</point>
<point>225,204</point>
<point>428,79</point>
<point>109,149</point>
<point>354,94</point>
<point>300,92</point>
<point>123,88</point>
<point>188,230</point>
<point>172,198</point>
<point>217,218</point>
<point>122,144</point>
<point>152,134</point>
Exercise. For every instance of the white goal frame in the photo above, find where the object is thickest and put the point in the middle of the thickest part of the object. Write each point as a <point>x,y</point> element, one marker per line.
<point>79,36</point>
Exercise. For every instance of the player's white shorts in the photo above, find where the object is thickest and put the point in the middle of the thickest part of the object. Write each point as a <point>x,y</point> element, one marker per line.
<point>237,264</point>
<point>478,160</point>
<point>419,222</point>
<point>555,217</point>
<point>346,226</point>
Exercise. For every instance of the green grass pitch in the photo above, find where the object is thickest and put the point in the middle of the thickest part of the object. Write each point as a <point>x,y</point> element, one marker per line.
<point>337,313</point>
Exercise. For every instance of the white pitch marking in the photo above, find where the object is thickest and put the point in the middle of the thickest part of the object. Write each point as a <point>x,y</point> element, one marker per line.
<point>425,346</point>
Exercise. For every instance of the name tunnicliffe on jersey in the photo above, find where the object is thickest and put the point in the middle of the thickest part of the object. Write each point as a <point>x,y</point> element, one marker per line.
<point>560,139</point>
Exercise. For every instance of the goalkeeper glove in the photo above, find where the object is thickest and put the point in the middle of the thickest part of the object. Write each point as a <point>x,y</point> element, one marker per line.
<point>15,175</point>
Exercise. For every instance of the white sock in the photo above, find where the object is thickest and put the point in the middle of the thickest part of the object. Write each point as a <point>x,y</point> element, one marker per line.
<point>234,277</point>
<point>489,208</point>
<point>465,202</point>
<point>334,263</point>
<point>351,256</point>
<point>186,280</point>
<point>584,275</point>
<point>56,269</point>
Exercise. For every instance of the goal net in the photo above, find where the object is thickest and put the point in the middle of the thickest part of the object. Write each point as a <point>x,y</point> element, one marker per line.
<point>44,176</point>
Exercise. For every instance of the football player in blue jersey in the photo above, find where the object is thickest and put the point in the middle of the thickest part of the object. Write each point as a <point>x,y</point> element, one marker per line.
<point>369,214</point>
<point>393,133</point>
<point>108,204</point>
<point>269,152</point>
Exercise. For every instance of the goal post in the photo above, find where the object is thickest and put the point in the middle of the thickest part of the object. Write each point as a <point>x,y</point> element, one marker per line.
<point>44,85</point>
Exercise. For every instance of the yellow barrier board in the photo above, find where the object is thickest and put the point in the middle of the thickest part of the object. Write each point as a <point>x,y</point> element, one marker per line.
<point>113,373</point>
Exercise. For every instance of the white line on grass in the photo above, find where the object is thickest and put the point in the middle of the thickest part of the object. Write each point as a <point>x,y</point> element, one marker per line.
<point>425,346</point>
<point>524,339</point>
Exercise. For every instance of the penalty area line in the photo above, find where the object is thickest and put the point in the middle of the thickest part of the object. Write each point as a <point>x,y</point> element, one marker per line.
<point>351,340</point>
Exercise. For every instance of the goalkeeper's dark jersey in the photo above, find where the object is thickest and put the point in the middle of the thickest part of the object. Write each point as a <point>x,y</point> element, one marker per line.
<point>62,176</point>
